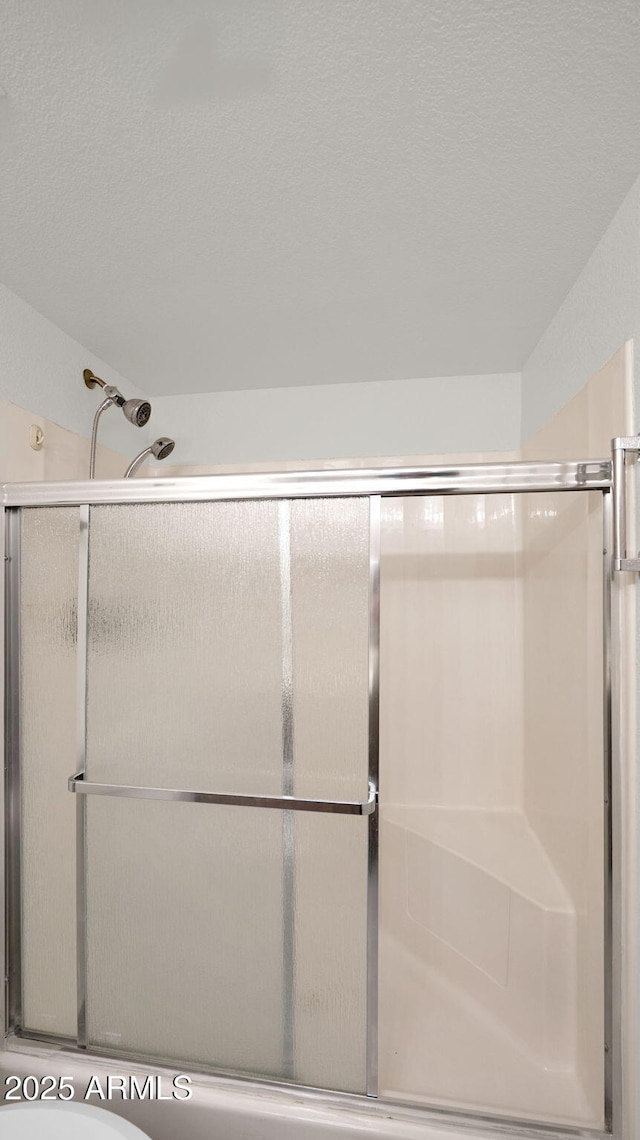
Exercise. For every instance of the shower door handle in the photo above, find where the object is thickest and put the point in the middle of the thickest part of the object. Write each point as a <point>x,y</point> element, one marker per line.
<point>620,447</point>
<point>80,786</point>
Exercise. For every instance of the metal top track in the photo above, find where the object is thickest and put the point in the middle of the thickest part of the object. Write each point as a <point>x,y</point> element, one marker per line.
<point>461,479</point>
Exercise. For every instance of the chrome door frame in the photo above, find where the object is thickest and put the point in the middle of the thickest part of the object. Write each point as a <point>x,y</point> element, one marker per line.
<point>461,479</point>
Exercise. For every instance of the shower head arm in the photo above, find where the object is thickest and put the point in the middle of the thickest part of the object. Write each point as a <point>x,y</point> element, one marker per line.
<point>137,462</point>
<point>136,411</point>
<point>91,380</point>
<point>94,432</point>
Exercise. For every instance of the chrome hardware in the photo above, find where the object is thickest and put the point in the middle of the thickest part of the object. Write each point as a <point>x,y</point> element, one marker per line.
<point>621,446</point>
<point>78,784</point>
<point>463,479</point>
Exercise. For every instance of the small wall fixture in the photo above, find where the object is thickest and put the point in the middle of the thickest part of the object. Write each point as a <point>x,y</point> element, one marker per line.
<point>36,437</point>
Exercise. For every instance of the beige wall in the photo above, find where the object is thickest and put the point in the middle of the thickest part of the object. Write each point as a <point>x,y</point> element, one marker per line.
<point>64,454</point>
<point>563,788</point>
<point>492,786</point>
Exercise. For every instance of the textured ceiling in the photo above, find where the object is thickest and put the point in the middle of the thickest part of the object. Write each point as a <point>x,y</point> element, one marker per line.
<point>219,194</point>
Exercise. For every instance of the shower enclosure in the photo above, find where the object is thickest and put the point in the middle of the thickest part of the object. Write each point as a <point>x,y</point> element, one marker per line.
<point>278,783</point>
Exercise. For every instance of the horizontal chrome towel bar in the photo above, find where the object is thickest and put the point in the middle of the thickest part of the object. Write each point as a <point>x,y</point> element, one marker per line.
<point>78,784</point>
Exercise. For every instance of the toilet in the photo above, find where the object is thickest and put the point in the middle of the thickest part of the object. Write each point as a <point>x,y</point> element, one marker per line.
<point>58,1121</point>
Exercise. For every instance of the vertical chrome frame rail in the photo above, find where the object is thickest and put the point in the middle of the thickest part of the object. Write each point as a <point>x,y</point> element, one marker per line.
<point>611,1034</point>
<point>288,789</point>
<point>13,783</point>
<point>597,474</point>
<point>623,821</point>
<point>374,768</point>
<point>81,760</point>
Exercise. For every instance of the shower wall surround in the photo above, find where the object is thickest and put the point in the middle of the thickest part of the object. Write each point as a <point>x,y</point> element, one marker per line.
<point>492,775</point>
<point>64,454</point>
<point>563,785</point>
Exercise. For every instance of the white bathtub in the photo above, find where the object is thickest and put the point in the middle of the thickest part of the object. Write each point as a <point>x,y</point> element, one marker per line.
<point>236,1110</point>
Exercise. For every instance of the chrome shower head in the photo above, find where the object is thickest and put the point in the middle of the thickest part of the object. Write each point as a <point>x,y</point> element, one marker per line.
<point>162,448</point>
<point>136,411</point>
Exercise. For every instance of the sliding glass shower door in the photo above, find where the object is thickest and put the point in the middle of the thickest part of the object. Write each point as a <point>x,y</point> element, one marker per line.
<point>223,795</point>
<point>192,744</point>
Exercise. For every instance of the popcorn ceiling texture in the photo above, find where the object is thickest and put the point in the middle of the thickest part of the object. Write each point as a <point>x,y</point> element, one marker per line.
<point>216,196</point>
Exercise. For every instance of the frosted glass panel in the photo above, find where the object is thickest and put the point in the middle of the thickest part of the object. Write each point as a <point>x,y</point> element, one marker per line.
<point>186,913</point>
<point>330,951</point>
<point>48,587</point>
<point>185,933</point>
<point>194,610</point>
<point>185,656</point>
<point>228,651</point>
<point>330,608</point>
